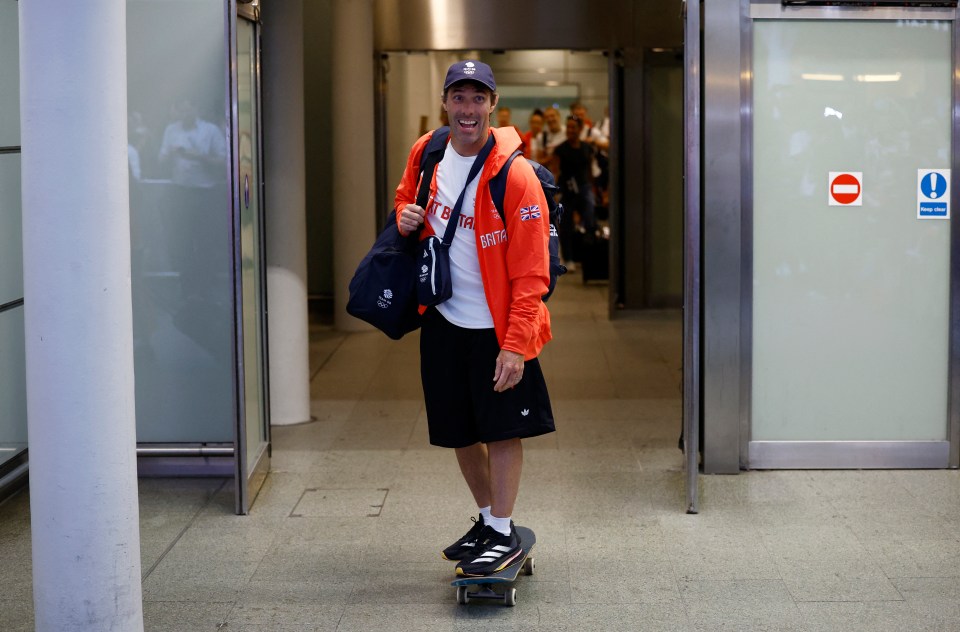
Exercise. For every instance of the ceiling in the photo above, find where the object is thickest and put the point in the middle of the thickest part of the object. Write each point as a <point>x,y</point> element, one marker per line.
<point>409,25</point>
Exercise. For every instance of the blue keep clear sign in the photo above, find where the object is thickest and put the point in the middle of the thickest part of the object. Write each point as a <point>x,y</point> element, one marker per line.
<point>933,194</point>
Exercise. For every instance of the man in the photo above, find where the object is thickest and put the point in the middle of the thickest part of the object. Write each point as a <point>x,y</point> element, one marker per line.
<point>553,136</point>
<point>195,149</point>
<point>482,384</point>
<point>532,140</point>
<point>504,115</point>
<point>573,160</point>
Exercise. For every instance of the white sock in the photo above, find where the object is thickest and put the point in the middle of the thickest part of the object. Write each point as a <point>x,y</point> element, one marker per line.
<point>500,524</point>
<point>485,512</point>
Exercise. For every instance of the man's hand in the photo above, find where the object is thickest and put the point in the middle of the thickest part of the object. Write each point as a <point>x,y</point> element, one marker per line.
<point>410,218</point>
<point>509,370</point>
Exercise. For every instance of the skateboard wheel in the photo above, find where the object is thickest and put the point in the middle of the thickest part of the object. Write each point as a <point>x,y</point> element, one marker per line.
<point>462,596</point>
<point>529,565</point>
<point>510,597</point>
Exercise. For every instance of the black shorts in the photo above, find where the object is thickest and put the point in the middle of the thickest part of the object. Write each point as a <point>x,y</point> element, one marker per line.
<point>457,366</point>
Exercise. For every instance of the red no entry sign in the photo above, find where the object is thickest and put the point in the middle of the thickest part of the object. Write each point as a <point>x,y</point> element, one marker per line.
<point>846,188</point>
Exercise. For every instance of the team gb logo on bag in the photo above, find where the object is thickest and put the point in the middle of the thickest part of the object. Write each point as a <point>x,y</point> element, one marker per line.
<point>383,301</point>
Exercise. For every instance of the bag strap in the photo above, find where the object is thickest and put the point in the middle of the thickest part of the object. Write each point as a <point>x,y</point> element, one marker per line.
<point>498,186</point>
<point>474,170</point>
<point>431,156</point>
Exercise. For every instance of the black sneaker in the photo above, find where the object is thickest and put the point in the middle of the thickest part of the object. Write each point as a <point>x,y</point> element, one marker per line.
<point>492,553</point>
<point>462,548</point>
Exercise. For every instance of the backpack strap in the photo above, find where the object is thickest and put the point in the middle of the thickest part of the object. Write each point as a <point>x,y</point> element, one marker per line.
<point>498,185</point>
<point>429,159</point>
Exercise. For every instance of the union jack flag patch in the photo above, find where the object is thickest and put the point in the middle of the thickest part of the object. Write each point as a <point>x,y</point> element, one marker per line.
<point>530,212</point>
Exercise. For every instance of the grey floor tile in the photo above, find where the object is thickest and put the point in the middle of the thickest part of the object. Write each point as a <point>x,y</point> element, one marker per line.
<point>324,589</point>
<point>883,616</point>
<point>173,616</point>
<point>837,580</point>
<point>415,584</point>
<point>206,580</point>
<point>339,561</point>
<point>667,617</point>
<point>929,589</point>
<point>280,615</point>
<point>740,605</point>
<point>416,617</point>
<point>622,580</point>
<point>16,615</point>
<point>812,543</point>
<point>912,557</point>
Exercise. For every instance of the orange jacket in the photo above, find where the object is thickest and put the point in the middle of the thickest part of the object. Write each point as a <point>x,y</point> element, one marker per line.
<point>514,262</point>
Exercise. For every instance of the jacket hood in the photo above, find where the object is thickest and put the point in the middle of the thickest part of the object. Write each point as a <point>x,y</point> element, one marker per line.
<point>507,142</point>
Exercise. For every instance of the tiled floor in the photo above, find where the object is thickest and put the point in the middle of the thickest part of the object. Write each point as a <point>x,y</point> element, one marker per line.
<point>345,535</point>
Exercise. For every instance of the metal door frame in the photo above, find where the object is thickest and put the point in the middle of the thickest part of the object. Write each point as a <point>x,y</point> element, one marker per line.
<point>691,254</point>
<point>247,486</point>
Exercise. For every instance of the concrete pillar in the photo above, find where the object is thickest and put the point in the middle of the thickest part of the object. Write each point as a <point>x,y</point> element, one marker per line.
<point>286,230</point>
<point>354,180</point>
<point>79,332</point>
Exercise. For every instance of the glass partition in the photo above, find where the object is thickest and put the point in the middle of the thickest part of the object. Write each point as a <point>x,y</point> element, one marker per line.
<point>180,221</point>
<point>9,74</point>
<point>13,385</point>
<point>850,303</point>
<point>11,244</point>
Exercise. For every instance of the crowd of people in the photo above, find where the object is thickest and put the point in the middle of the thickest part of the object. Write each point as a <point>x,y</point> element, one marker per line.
<point>577,154</point>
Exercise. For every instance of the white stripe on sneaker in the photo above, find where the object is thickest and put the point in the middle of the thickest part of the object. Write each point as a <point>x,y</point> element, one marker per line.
<point>492,555</point>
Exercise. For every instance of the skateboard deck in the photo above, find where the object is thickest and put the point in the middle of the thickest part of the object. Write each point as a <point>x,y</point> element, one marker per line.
<point>485,584</point>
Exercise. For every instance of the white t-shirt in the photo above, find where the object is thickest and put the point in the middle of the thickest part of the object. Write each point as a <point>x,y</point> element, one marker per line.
<point>554,139</point>
<point>205,139</point>
<point>467,307</point>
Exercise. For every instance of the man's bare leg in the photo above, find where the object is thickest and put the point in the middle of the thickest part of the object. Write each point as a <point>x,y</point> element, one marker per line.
<point>492,472</point>
<point>475,466</point>
<point>506,464</point>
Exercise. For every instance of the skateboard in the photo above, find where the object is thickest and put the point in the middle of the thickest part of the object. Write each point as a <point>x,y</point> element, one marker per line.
<point>484,585</point>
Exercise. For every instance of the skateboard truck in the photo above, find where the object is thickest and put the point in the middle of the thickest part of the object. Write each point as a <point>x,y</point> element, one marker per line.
<point>486,591</point>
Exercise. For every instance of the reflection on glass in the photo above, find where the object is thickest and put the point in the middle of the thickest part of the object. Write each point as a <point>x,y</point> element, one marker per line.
<point>850,309</point>
<point>180,222</point>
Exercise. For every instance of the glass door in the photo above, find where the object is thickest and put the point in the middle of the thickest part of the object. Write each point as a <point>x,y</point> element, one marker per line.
<point>253,429</point>
<point>851,282</point>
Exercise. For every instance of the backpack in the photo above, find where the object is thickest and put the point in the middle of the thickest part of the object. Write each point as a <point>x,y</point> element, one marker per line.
<point>433,153</point>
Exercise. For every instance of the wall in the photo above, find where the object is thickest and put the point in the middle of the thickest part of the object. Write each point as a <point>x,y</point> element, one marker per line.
<point>317,17</point>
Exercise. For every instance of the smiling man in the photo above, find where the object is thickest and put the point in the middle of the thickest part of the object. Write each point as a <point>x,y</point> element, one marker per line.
<point>482,383</point>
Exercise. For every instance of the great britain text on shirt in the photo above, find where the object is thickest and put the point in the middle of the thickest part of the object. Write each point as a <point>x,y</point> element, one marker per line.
<point>435,207</point>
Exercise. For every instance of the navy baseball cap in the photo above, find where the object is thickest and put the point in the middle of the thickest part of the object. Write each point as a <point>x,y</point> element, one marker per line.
<point>470,70</point>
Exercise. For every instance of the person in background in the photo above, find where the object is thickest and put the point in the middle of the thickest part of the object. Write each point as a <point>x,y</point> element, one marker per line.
<point>579,110</point>
<point>194,149</point>
<point>503,120</point>
<point>573,160</point>
<point>531,140</point>
<point>552,136</point>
